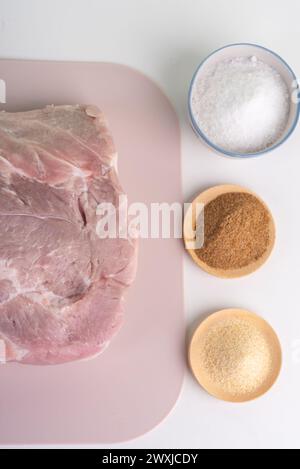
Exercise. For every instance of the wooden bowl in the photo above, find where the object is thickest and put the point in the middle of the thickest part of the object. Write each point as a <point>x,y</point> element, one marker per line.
<point>189,234</point>
<point>204,378</point>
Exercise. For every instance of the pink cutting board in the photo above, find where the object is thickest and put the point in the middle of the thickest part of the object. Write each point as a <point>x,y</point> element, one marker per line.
<point>135,383</point>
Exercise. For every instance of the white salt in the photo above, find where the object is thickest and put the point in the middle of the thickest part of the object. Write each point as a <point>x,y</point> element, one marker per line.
<point>241,105</point>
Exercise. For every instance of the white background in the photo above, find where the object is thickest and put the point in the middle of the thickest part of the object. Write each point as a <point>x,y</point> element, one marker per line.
<point>167,39</point>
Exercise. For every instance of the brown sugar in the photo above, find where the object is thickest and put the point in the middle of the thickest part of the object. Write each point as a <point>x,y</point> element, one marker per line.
<point>236,231</point>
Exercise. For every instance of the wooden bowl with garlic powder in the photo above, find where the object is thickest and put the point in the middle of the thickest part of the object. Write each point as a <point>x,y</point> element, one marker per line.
<point>229,231</point>
<point>235,355</point>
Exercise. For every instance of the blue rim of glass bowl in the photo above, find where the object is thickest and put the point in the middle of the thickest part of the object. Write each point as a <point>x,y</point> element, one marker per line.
<point>236,154</point>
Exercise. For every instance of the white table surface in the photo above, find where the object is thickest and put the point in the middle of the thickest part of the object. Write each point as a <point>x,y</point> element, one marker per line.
<point>166,39</point>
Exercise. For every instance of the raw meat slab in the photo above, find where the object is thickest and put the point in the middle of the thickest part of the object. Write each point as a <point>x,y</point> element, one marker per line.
<point>135,383</point>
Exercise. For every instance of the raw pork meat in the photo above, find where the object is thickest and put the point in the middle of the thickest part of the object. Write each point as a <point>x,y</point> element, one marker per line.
<point>61,286</point>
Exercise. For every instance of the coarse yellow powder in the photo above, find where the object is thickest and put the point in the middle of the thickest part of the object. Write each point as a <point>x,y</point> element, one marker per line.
<point>236,356</point>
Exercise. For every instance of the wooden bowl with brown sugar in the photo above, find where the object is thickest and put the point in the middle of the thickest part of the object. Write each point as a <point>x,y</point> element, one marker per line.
<point>237,231</point>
